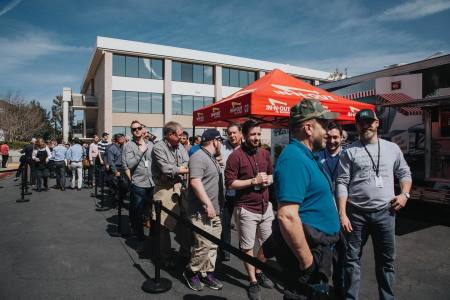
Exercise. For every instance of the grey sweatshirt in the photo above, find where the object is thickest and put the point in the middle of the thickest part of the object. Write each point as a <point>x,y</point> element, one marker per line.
<point>356,177</point>
<point>135,161</point>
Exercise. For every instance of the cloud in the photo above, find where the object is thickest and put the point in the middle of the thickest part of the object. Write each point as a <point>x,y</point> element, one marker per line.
<point>361,63</point>
<point>414,10</point>
<point>23,48</point>
<point>9,7</point>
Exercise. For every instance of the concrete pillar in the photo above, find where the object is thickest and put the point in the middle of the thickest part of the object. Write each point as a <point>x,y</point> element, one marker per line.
<point>167,90</point>
<point>261,74</point>
<point>67,97</point>
<point>107,105</point>
<point>218,83</point>
<point>84,123</point>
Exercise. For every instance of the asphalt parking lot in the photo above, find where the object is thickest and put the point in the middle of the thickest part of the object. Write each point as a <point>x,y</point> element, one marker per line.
<point>57,246</point>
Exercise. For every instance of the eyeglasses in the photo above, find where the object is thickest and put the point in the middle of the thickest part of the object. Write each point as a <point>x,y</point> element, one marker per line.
<point>136,128</point>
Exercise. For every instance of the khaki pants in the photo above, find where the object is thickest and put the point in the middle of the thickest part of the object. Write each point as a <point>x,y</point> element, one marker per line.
<point>204,252</point>
<point>173,198</point>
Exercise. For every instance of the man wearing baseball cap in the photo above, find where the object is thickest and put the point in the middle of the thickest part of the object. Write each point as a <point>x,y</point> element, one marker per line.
<point>205,193</point>
<point>368,204</point>
<point>307,214</point>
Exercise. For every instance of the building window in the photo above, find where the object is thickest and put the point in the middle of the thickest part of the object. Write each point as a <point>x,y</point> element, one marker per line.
<point>195,73</point>
<point>237,78</point>
<point>186,104</point>
<point>118,101</point>
<point>118,65</point>
<point>137,102</point>
<point>138,67</point>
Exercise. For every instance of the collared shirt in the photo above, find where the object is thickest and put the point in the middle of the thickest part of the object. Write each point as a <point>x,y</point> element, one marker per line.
<point>139,163</point>
<point>59,153</point>
<point>330,163</point>
<point>75,153</point>
<point>243,166</point>
<point>93,151</point>
<point>114,157</point>
<point>299,178</point>
<point>166,162</point>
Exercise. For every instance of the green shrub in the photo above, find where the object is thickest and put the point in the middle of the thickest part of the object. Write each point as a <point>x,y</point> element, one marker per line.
<point>17,145</point>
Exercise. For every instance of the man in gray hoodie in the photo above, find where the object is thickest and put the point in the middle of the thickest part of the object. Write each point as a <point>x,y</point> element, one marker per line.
<point>368,204</point>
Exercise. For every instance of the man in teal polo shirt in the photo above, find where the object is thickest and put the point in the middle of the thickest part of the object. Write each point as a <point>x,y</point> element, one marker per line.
<point>307,213</point>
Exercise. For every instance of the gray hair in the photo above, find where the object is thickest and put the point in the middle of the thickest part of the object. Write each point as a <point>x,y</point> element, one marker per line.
<point>171,127</point>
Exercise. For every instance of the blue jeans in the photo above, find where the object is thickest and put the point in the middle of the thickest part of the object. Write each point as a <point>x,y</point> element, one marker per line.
<point>140,200</point>
<point>381,226</point>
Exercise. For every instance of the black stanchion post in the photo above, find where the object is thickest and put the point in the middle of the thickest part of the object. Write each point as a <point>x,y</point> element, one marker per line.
<point>22,188</point>
<point>25,170</point>
<point>101,178</point>
<point>157,284</point>
<point>119,213</point>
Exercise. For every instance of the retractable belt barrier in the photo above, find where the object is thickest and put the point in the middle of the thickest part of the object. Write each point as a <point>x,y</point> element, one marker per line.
<point>10,170</point>
<point>319,290</point>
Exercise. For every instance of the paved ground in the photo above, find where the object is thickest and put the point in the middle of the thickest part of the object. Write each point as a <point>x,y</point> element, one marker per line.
<point>58,247</point>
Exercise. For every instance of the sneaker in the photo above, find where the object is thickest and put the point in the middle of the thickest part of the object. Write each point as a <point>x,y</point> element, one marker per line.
<point>211,281</point>
<point>264,281</point>
<point>254,291</point>
<point>193,280</point>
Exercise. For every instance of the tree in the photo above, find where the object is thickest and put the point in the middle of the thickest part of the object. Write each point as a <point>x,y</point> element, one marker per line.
<point>56,118</point>
<point>21,121</point>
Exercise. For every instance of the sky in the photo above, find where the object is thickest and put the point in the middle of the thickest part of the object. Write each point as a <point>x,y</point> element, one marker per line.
<point>46,45</point>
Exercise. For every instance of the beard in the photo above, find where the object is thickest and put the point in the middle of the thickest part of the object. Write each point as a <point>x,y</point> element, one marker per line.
<point>318,144</point>
<point>367,135</point>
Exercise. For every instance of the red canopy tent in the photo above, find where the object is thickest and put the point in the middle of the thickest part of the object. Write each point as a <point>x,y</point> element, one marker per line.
<point>269,100</point>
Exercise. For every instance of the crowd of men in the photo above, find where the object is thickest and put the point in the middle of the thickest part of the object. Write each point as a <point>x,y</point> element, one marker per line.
<point>313,211</point>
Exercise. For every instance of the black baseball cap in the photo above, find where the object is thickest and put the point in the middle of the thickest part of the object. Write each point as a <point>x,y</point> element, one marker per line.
<point>211,134</point>
<point>365,114</point>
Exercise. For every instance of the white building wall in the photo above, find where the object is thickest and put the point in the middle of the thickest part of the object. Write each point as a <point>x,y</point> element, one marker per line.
<point>195,89</point>
<point>137,84</point>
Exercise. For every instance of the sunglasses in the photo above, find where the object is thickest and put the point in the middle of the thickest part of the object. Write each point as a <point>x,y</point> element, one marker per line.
<point>136,128</point>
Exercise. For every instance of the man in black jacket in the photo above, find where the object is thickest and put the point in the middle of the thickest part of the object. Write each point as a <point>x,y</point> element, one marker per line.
<point>28,152</point>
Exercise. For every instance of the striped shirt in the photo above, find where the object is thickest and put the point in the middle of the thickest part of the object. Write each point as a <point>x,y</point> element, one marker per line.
<point>102,147</point>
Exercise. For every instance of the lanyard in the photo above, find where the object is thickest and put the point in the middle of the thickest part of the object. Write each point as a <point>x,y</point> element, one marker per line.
<point>255,172</point>
<point>376,168</point>
<point>332,172</point>
<point>216,164</point>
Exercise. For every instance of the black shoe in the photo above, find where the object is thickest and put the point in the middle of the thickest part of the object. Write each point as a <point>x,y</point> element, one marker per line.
<point>193,280</point>
<point>63,189</point>
<point>56,187</point>
<point>264,281</point>
<point>78,189</point>
<point>254,291</point>
<point>211,281</point>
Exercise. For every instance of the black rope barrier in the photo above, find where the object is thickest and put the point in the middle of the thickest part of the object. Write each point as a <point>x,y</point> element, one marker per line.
<point>319,289</point>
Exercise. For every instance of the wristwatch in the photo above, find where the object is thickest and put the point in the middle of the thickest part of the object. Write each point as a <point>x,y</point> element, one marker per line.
<point>407,195</point>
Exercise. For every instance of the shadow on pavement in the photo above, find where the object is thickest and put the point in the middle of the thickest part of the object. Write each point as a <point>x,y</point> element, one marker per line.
<point>421,215</point>
<point>198,297</point>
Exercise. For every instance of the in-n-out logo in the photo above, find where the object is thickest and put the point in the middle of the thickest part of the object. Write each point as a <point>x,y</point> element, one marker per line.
<point>200,117</point>
<point>236,108</point>
<point>278,106</point>
<point>215,113</point>
<point>352,111</point>
<point>304,93</point>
